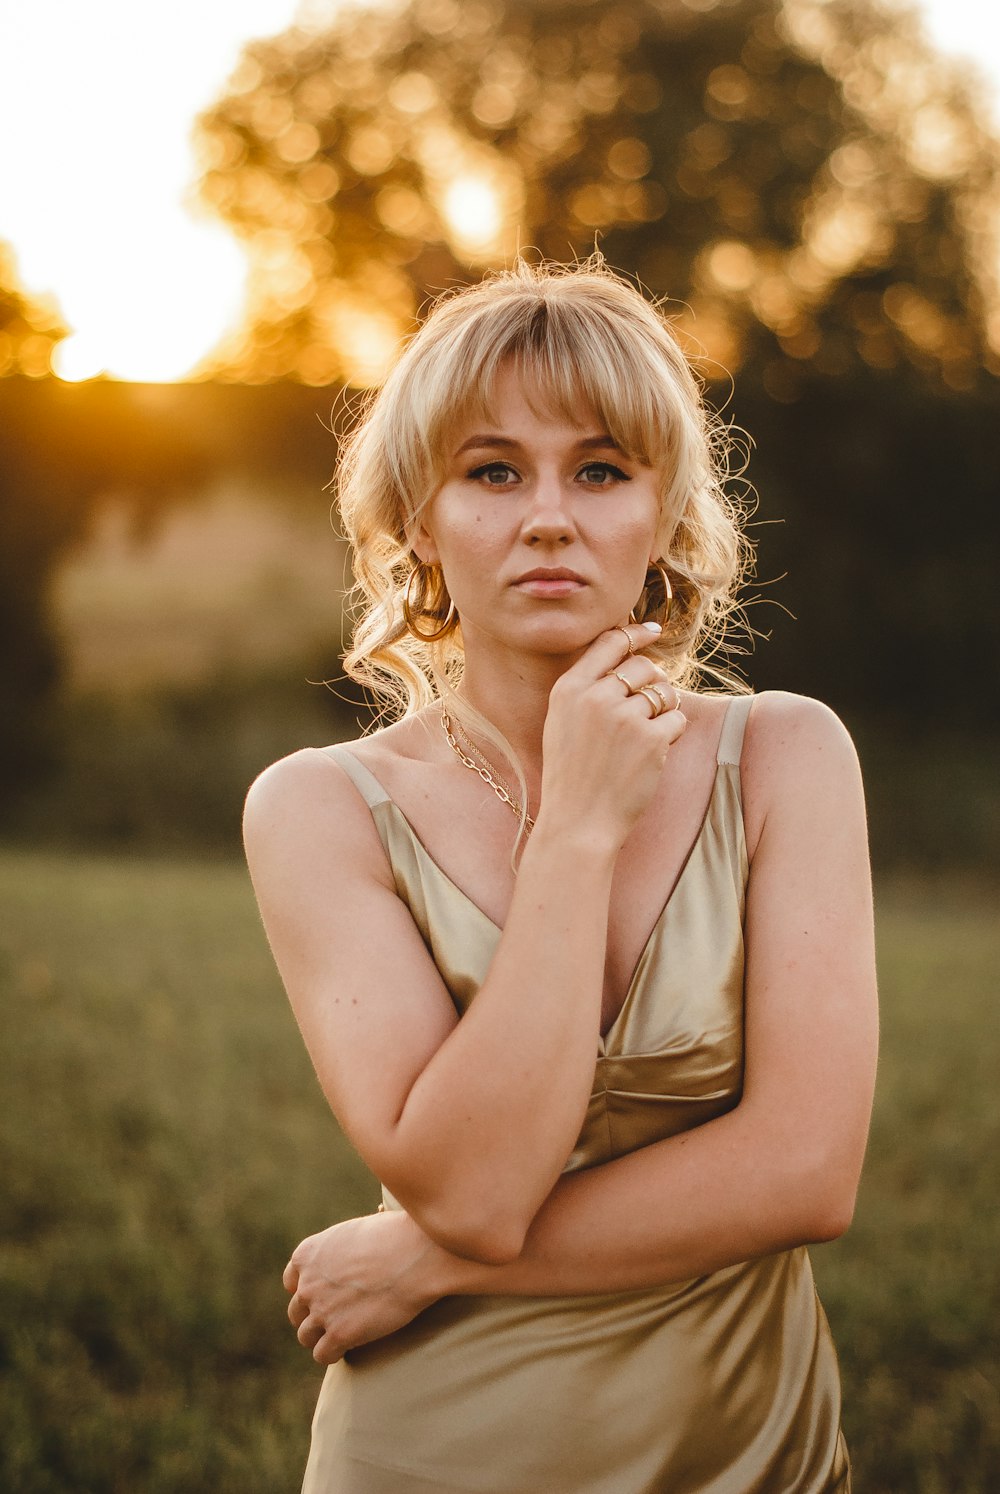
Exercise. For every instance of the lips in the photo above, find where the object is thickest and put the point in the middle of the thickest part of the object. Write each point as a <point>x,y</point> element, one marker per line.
<point>550,573</point>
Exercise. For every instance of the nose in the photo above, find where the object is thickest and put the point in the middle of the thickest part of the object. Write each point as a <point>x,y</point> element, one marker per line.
<point>548,519</point>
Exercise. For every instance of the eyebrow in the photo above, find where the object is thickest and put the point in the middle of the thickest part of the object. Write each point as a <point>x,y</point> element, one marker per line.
<point>588,443</point>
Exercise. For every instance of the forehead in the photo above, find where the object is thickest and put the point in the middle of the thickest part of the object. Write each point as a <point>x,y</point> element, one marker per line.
<point>516,403</point>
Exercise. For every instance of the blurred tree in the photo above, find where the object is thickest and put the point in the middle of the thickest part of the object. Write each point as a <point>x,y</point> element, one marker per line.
<point>810,183</point>
<point>66,448</point>
<point>809,178</point>
<point>28,332</point>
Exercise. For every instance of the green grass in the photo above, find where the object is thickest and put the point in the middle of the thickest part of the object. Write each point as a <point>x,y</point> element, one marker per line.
<point>913,1290</point>
<point>165,1145</point>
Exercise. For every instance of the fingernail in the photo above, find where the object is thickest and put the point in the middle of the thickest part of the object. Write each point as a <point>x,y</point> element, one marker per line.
<point>653,627</point>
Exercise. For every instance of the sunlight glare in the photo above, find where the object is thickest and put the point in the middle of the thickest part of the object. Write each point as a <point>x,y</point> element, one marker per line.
<point>100,100</point>
<point>75,359</point>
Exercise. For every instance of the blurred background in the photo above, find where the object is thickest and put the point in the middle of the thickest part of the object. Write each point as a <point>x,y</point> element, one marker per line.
<point>215,226</point>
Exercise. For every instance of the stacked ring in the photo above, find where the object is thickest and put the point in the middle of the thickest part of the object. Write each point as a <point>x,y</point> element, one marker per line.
<point>655,699</point>
<point>653,693</point>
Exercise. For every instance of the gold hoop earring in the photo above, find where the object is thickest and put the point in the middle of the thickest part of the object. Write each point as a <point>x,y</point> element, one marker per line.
<point>408,615</point>
<point>668,595</point>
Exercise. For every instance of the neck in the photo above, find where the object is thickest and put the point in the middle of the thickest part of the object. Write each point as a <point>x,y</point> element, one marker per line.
<point>513,694</point>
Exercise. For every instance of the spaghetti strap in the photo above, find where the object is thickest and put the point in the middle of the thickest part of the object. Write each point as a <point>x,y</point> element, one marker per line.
<point>733,727</point>
<point>363,778</point>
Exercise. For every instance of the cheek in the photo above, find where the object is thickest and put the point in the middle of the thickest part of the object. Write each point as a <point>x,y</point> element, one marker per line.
<point>473,553</point>
<point>481,528</point>
<point>629,536</point>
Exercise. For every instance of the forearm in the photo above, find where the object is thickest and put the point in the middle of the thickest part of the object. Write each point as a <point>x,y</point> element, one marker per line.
<point>726,1192</point>
<point>489,1122</point>
<point>674,1210</point>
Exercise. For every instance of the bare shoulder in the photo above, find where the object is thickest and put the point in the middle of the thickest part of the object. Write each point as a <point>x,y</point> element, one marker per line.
<point>309,780</point>
<point>786,728</point>
<point>304,810</point>
<point>798,758</point>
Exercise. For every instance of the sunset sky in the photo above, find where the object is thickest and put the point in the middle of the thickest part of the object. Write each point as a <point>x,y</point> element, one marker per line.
<point>96,165</point>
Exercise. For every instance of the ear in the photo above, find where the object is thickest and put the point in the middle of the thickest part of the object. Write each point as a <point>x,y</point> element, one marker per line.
<point>423,544</point>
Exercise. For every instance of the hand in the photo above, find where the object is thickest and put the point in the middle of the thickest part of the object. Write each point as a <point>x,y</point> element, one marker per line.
<point>603,748</point>
<point>358,1281</point>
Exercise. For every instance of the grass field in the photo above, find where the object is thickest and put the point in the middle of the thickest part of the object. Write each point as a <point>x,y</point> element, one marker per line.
<point>164,1145</point>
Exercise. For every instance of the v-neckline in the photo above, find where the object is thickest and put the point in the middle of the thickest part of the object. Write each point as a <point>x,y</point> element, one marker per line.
<point>498,929</point>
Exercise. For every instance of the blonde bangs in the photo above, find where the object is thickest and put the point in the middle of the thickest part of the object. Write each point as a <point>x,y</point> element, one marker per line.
<point>570,358</point>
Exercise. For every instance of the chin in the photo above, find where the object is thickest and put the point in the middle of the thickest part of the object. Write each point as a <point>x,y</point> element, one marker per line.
<point>556,635</point>
<point>568,636</point>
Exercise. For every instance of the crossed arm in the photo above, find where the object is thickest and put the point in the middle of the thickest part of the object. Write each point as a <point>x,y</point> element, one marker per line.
<point>779,1170</point>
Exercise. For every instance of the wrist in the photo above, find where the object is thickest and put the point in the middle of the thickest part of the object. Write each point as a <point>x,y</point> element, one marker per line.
<point>431,1271</point>
<point>567,836</point>
<point>441,1274</point>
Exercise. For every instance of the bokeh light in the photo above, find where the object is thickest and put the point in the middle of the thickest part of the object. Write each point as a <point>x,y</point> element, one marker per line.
<point>473,212</point>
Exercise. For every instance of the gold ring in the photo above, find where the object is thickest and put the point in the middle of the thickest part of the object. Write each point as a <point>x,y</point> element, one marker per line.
<point>630,689</point>
<point>668,705</point>
<point>628,639</point>
<point>655,699</point>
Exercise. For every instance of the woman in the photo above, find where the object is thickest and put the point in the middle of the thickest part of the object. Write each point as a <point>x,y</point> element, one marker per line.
<point>588,1279</point>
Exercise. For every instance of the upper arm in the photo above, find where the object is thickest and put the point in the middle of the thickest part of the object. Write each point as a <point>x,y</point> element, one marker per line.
<point>811,1010</point>
<point>368,999</point>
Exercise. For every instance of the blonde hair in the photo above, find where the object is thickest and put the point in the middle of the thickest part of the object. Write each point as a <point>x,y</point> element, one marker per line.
<point>583,337</point>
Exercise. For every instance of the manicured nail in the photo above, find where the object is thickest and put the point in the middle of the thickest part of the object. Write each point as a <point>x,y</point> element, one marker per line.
<point>653,627</point>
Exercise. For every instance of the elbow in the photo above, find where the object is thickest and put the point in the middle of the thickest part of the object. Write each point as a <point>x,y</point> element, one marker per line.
<point>467,1220</point>
<point>490,1240</point>
<point>486,1249</point>
<point>829,1222</point>
<point>830,1204</point>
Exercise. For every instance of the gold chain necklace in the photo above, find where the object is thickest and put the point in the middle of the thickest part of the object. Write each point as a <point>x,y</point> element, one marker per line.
<point>485,762</point>
<point>482,768</point>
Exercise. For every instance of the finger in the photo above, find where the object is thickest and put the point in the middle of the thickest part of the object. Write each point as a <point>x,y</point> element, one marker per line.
<point>671,725</point>
<point>290,1276</point>
<point>654,701</point>
<point>668,695</point>
<point>329,1350</point>
<point>298,1311</point>
<point>310,1332</point>
<point>634,673</point>
<point>637,674</point>
<point>612,648</point>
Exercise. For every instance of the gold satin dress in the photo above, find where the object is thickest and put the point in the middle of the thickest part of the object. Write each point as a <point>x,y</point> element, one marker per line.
<point>725,1384</point>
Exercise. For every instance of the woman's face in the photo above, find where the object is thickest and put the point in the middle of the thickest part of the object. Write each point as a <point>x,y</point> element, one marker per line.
<point>544,529</point>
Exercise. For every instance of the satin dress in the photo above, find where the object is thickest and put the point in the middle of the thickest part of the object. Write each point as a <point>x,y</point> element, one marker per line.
<point>724,1384</point>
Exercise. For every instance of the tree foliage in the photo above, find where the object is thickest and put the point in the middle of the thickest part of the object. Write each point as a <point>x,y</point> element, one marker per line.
<point>812,187</point>
<point>807,180</point>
